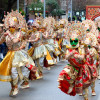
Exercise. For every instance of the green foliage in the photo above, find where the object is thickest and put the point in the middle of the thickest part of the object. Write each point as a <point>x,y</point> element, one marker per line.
<point>22,12</point>
<point>75,17</point>
<point>36,6</point>
<point>52,7</point>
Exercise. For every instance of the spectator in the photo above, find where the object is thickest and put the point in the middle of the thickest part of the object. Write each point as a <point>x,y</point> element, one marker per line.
<point>3,47</point>
<point>79,18</point>
<point>69,19</point>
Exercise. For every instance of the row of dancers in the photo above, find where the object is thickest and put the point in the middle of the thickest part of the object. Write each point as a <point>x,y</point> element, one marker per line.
<point>76,42</point>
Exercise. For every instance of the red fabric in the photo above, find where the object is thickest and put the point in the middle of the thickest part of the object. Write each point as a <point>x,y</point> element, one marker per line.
<point>46,63</point>
<point>30,68</point>
<point>64,84</point>
<point>99,36</point>
<point>32,76</point>
<point>77,63</point>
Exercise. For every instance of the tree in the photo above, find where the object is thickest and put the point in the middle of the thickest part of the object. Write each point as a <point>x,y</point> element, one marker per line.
<point>36,7</point>
<point>51,6</point>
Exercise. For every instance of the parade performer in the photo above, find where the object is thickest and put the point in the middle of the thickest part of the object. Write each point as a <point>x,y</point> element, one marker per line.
<point>55,43</point>
<point>51,41</point>
<point>46,33</point>
<point>75,77</point>
<point>13,66</point>
<point>38,50</point>
<point>91,53</point>
<point>97,22</point>
<point>61,35</point>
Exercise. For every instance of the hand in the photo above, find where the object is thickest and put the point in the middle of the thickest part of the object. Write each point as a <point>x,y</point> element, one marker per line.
<point>5,34</point>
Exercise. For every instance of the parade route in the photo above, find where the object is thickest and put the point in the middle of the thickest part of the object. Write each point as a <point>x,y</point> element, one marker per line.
<point>45,89</point>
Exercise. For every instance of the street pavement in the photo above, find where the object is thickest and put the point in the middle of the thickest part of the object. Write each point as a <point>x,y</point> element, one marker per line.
<point>45,89</point>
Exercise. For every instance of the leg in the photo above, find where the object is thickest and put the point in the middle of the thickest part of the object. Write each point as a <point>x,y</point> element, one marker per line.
<point>39,68</point>
<point>25,73</point>
<point>14,82</point>
<point>93,89</point>
<point>85,94</point>
<point>98,72</point>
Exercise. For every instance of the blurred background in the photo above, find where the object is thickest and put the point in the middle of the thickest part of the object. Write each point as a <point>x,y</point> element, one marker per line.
<point>70,9</point>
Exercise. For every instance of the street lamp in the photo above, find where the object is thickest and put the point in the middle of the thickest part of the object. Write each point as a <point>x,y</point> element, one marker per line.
<point>71,9</point>
<point>44,7</point>
<point>18,5</point>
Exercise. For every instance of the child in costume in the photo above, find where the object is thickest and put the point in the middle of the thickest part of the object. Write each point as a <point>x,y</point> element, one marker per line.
<point>75,77</point>
<point>46,34</point>
<point>61,36</point>
<point>97,22</point>
<point>91,52</point>
<point>12,68</point>
<point>39,50</point>
<point>55,43</point>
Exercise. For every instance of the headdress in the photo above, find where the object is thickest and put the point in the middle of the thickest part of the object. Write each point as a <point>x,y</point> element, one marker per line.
<point>91,25</point>
<point>63,22</point>
<point>76,30</point>
<point>14,18</point>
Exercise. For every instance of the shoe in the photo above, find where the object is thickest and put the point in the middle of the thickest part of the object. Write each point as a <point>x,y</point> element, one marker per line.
<point>99,77</point>
<point>80,94</point>
<point>25,85</point>
<point>93,93</point>
<point>86,99</point>
<point>40,75</point>
<point>14,91</point>
<point>49,68</point>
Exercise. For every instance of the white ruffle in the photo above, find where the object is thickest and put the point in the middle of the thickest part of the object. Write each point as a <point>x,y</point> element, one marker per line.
<point>39,52</point>
<point>21,58</point>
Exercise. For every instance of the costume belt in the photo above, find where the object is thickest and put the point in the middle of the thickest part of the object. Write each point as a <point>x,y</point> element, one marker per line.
<point>37,45</point>
<point>45,43</point>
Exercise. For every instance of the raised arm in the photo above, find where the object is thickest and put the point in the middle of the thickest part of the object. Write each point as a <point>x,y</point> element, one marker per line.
<point>45,35</point>
<point>37,37</point>
<point>23,45</point>
<point>15,39</point>
<point>69,54</point>
<point>81,54</point>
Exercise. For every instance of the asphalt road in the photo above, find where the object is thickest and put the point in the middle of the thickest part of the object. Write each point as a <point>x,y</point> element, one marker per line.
<point>45,89</point>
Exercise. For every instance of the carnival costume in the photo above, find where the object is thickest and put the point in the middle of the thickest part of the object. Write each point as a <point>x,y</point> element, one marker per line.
<point>38,50</point>
<point>97,22</point>
<point>75,78</point>
<point>12,68</point>
<point>61,36</point>
<point>91,51</point>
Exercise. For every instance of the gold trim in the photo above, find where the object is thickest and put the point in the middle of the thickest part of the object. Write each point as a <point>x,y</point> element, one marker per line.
<point>5,78</point>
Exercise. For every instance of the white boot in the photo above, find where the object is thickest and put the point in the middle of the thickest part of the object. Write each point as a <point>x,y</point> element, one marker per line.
<point>14,91</point>
<point>25,85</point>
